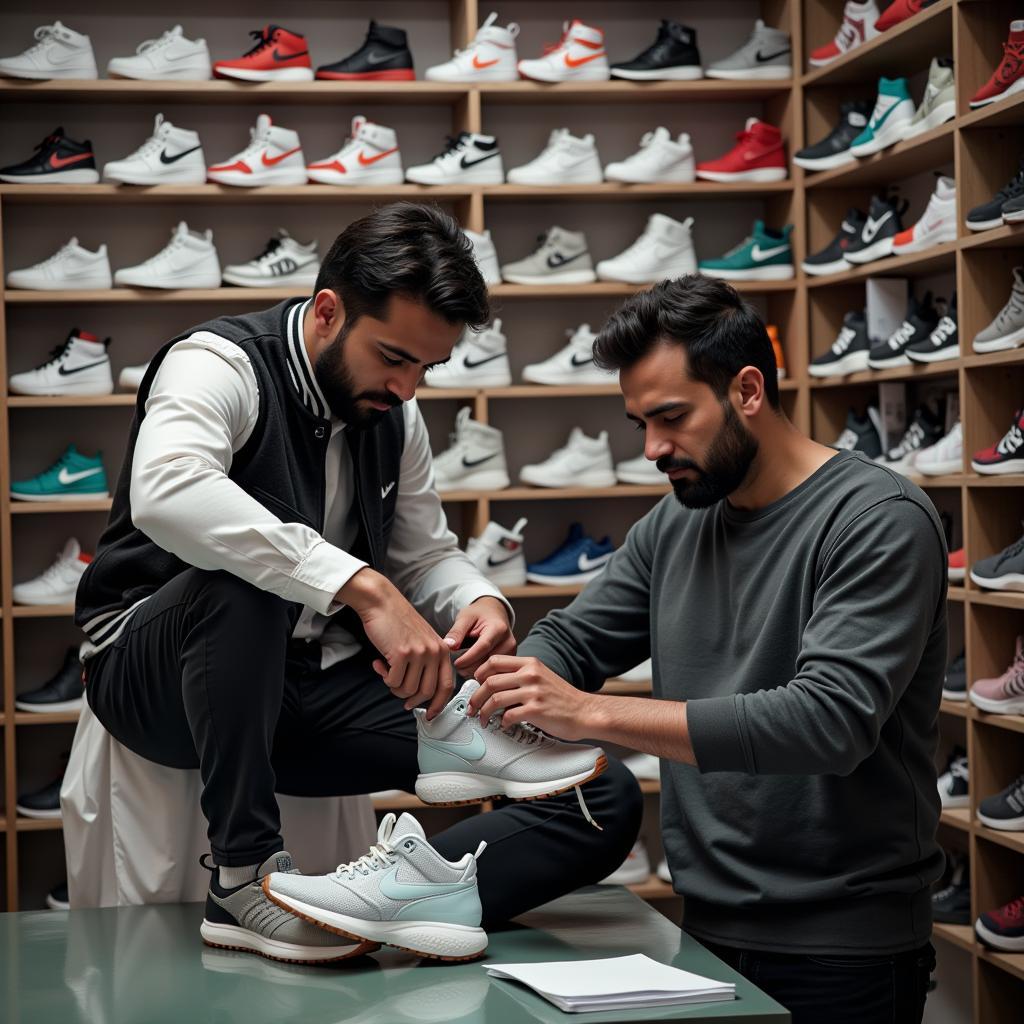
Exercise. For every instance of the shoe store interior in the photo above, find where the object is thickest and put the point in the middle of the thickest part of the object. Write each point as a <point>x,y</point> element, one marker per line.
<point>853,168</point>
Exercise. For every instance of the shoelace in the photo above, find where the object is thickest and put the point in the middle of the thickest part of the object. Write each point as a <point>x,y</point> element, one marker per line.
<point>149,45</point>
<point>911,440</point>
<point>381,855</point>
<point>903,334</point>
<point>958,769</point>
<point>1014,910</point>
<point>1013,308</point>
<point>62,253</point>
<point>269,252</point>
<point>257,140</point>
<point>1011,552</point>
<point>56,572</point>
<point>263,40</point>
<point>1012,439</point>
<point>45,33</point>
<point>944,330</point>
<point>1013,55</point>
<point>843,340</point>
<point>56,354</point>
<point>153,143</point>
<point>453,144</point>
<point>1015,794</point>
<point>847,439</point>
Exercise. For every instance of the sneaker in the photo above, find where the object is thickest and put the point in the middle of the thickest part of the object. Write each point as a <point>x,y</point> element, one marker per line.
<point>1008,78</point>
<point>1007,329</point>
<point>990,215</point>
<point>61,693</point>
<point>277,55</point>
<point>474,460</point>
<point>1013,210</point>
<point>898,11</point>
<point>189,260</point>
<point>938,105</point>
<point>862,433</point>
<point>369,156</point>
<point>56,159</point>
<point>172,57</point>
<point>765,55</point>
<point>642,673</point>
<point>924,431</point>
<point>565,160</point>
<point>643,766</point>
<point>80,366</point>
<point>58,583</point>
<point>498,554</point>
<point>849,352</point>
<point>59,52</point>
<point>468,158</point>
<point>917,326</point>
<point>170,156</point>
<point>834,149</point>
<point>952,903</point>
<point>664,250</point>
<point>1007,455</point>
<point>273,157</point>
<point>759,155</point>
<point>71,267</point>
<point>582,462</point>
<point>956,567</point>
<point>1004,810</point>
<point>578,56</point>
<point>663,871</point>
<point>953,781</point>
<point>832,259</point>
<point>72,477</point>
<point>485,254</point>
<point>57,897</point>
<point>41,803</point>
<point>943,343</point>
<point>937,225</point>
<point>893,113</point>
<point>490,57</point>
<point>383,57</point>
<point>955,685</point>
<point>884,222</point>
<point>246,918</point>
<point>857,28</point>
<point>1002,571</point>
<point>660,158</point>
<point>1003,695</point>
<point>639,470</point>
<point>577,560</point>
<point>561,257</point>
<point>479,360</point>
<point>130,377</point>
<point>572,365</point>
<point>766,255</point>
<point>945,456</point>
<point>672,57</point>
<point>283,262</point>
<point>634,870</point>
<point>1003,928</point>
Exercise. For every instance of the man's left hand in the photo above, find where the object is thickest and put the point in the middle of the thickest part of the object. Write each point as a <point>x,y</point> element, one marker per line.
<point>485,621</point>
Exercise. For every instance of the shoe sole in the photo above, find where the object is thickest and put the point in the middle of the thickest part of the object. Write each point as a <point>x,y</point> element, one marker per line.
<point>470,177</point>
<point>759,174</point>
<point>841,367</point>
<point>566,277</point>
<point>939,355</point>
<point>824,269</point>
<point>876,251</point>
<point>82,390</point>
<point>825,163</point>
<point>1003,942</point>
<point>388,176</point>
<point>193,282</point>
<point>586,75</point>
<point>956,575</point>
<point>999,468</point>
<point>641,480</point>
<point>1002,824</point>
<point>924,243</point>
<point>398,75</point>
<point>487,75</point>
<point>48,602</point>
<point>776,273</point>
<point>1014,706</point>
<point>279,75</point>
<point>683,73</point>
<point>770,74</point>
<point>977,105</point>
<point>281,281</point>
<point>226,936</point>
<point>940,115</point>
<point>1008,341</point>
<point>81,176</point>
<point>188,178</point>
<point>197,73</point>
<point>564,581</point>
<point>667,271</point>
<point>60,705</point>
<point>957,696</point>
<point>955,803</point>
<point>28,812</point>
<point>891,133</point>
<point>889,363</point>
<point>565,179</point>
<point>605,479</point>
<point>61,496</point>
<point>491,481</point>
<point>941,468</point>
<point>290,177</point>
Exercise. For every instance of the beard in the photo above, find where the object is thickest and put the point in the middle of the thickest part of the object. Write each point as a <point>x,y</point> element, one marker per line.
<point>339,388</point>
<point>729,459</point>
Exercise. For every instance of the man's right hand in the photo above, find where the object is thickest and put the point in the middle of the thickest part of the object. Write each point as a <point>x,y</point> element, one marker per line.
<point>416,663</point>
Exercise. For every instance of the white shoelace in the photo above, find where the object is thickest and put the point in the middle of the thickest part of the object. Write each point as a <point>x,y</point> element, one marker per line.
<point>381,855</point>
<point>843,340</point>
<point>45,33</point>
<point>151,45</point>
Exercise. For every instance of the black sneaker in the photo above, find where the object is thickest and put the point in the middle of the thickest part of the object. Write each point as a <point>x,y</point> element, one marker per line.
<point>884,222</point>
<point>830,259</point>
<point>1013,210</point>
<point>57,897</point>
<point>990,214</point>
<point>952,903</point>
<point>62,693</point>
<point>920,321</point>
<point>43,803</point>
<point>849,352</point>
<point>834,149</point>
<point>955,686</point>
<point>943,343</point>
<point>953,781</point>
<point>673,56</point>
<point>862,433</point>
<point>925,430</point>
<point>383,57</point>
<point>57,159</point>
<point>1005,810</point>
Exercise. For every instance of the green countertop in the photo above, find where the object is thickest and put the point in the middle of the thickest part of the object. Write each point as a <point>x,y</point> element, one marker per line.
<point>147,965</point>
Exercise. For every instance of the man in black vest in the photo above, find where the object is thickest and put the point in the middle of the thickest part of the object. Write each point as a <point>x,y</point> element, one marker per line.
<point>277,569</point>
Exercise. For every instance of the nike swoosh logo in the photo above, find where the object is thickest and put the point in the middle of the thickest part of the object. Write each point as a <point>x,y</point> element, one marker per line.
<point>57,162</point>
<point>761,58</point>
<point>65,372</point>
<point>481,64</point>
<point>581,362</point>
<point>558,260</point>
<point>758,253</point>
<point>493,564</point>
<point>578,62</point>
<point>279,57</point>
<point>586,564</point>
<point>165,159</point>
<point>395,890</point>
<point>270,161</point>
<point>480,362</point>
<point>878,124</point>
<point>378,58</point>
<point>471,751</point>
<point>365,160</point>
<point>472,163</point>
<point>66,478</point>
<point>476,462</point>
<point>871,227</point>
<point>385,491</point>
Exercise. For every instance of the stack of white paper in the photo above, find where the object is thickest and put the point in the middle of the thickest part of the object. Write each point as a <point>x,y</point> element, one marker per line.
<point>617,983</point>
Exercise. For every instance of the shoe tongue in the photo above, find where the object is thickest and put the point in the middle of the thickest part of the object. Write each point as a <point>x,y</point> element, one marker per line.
<point>752,122</point>
<point>576,437</point>
<point>280,861</point>
<point>72,549</point>
<point>491,19</point>
<point>405,826</point>
<point>358,123</point>
<point>181,231</point>
<point>661,134</point>
<point>175,32</point>
<point>263,124</point>
<point>759,25</point>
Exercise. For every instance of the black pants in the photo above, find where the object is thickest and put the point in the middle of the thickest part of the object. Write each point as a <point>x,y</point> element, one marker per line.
<point>825,989</point>
<point>207,675</point>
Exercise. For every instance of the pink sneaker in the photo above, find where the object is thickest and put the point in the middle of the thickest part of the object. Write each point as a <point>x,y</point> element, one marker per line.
<point>1005,695</point>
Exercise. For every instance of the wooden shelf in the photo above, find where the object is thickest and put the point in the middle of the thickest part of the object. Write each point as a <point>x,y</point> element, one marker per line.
<point>958,709</point>
<point>702,90</point>
<point>919,264</point>
<point>996,115</point>
<point>1010,840</point>
<point>61,402</point>
<point>50,507</point>
<point>1008,236</point>
<point>45,717</point>
<point>961,935</point>
<point>47,611</point>
<point>654,889</point>
<point>955,593</point>
<point>1012,723</point>
<point>995,598</point>
<point>1009,358</point>
<point>540,590</point>
<point>38,824</point>
<point>559,493</point>
<point>957,817</point>
<point>1012,963</point>
<point>615,289</point>
<point>618,190</point>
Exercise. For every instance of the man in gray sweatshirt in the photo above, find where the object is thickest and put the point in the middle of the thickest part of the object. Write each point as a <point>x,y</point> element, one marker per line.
<point>793,599</point>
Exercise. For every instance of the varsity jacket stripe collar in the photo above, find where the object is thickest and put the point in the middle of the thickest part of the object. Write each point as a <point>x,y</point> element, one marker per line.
<point>299,366</point>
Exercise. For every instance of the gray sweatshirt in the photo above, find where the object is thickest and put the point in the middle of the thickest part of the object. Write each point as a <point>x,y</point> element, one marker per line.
<point>809,640</point>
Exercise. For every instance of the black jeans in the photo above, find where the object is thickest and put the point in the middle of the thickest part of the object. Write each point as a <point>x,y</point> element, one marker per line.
<point>827,989</point>
<point>206,675</point>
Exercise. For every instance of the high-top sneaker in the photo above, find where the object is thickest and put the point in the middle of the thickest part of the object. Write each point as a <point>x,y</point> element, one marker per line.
<point>1007,329</point>
<point>565,160</point>
<point>574,364</point>
<point>56,159</point>
<point>857,28</point>
<point>938,105</point>
<point>130,377</point>
<point>63,692</point>
<point>577,560</point>
<point>893,113</point>
<point>759,155</point>
<point>924,431</point>
<point>59,52</point>
<point>861,433</point>
<point>954,780</point>
<point>945,456</point>
<point>561,257</point>
<point>764,255</point>
<point>898,11</point>
<point>498,554</point>
<point>883,223</point>
<point>660,158</point>
<point>72,477</point>
<point>172,57</point>
<point>578,56</point>
<point>672,57</point>
<point>639,470</point>
<point>80,366</point>
<point>58,583</point>
<point>490,57</point>
<point>1006,455</point>
<point>479,360</point>
<point>834,149</point>
<point>277,55</point>
<point>70,267</point>
<point>832,259</point>
<point>955,685</point>
<point>189,260</point>
<point>952,903</point>
<point>918,324</point>
<point>1003,695</point>
<point>1008,78</point>
<point>383,57</point>
<point>273,157</point>
<point>1004,810</point>
<point>943,342</point>
<point>474,459</point>
<point>766,55</point>
<point>369,156</point>
<point>485,254</point>
<point>170,156</point>
<point>582,462</point>
<point>664,250</point>
<point>284,261</point>
<point>937,224</point>
<point>469,158</point>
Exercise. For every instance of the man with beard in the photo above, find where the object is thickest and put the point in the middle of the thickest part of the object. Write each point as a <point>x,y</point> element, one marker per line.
<point>792,599</point>
<point>277,569</point>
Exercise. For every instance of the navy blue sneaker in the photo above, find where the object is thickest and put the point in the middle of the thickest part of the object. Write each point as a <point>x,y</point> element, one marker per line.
<point>578,560</point>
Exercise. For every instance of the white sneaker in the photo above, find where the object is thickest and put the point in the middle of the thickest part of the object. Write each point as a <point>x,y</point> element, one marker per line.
<point>273,157</point>
<point>574,364</point>
<point>565,160</point>
<point>660,158</point>
<point>369,156</point>
<point>663,872</point>
<point>938,224</point>
<point>643,766</point>
<point>59,583</point>
<point>70,268</point>
<point>664,250</point>
<point>486,255</point>
<point>479,360</point>
<point>642,673</point>
<point>498,554</point>
<point>189,260</point>
<point>634,870</point>
<point>59,52</point>
<point>283,262</point>
<point>490,57</point>
<point>938,105</point>
<point>80,366</point>
<point>639,471</point>
<point>857,28</point>
<point>169,58</point>
<point>130,377</point>
<point>561,257</point>
<point>170,156</point>
<point>946,456</point>
<point>474,460</point>
<point>579,56</point>
<point>468,158</point>
<point>582,462</point>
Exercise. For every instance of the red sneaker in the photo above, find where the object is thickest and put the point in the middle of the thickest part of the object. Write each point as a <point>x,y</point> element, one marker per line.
<point>900,10</point>
<point>1008,78</point>
<point>858,26</point>
<point>957,566</point>
<point>277,56</point>
<point>1005,456</point>
<point>759,155</point>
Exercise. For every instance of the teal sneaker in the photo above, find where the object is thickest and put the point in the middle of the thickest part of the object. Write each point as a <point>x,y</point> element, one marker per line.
<point>72,477</point>
<point>894,110</point>
<point>765,256</point>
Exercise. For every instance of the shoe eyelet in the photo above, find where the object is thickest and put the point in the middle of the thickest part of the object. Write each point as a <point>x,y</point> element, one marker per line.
<point>461,706</point>
<point>408,844</point>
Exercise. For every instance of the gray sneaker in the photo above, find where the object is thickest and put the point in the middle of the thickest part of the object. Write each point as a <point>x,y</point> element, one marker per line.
<point>561,257</point>
<point>938,105</point>
<point>1007,330</point>
<point>766,54</point>
<point>1013,211</point>
<point>1004,571</point>
<point>245,918</point>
